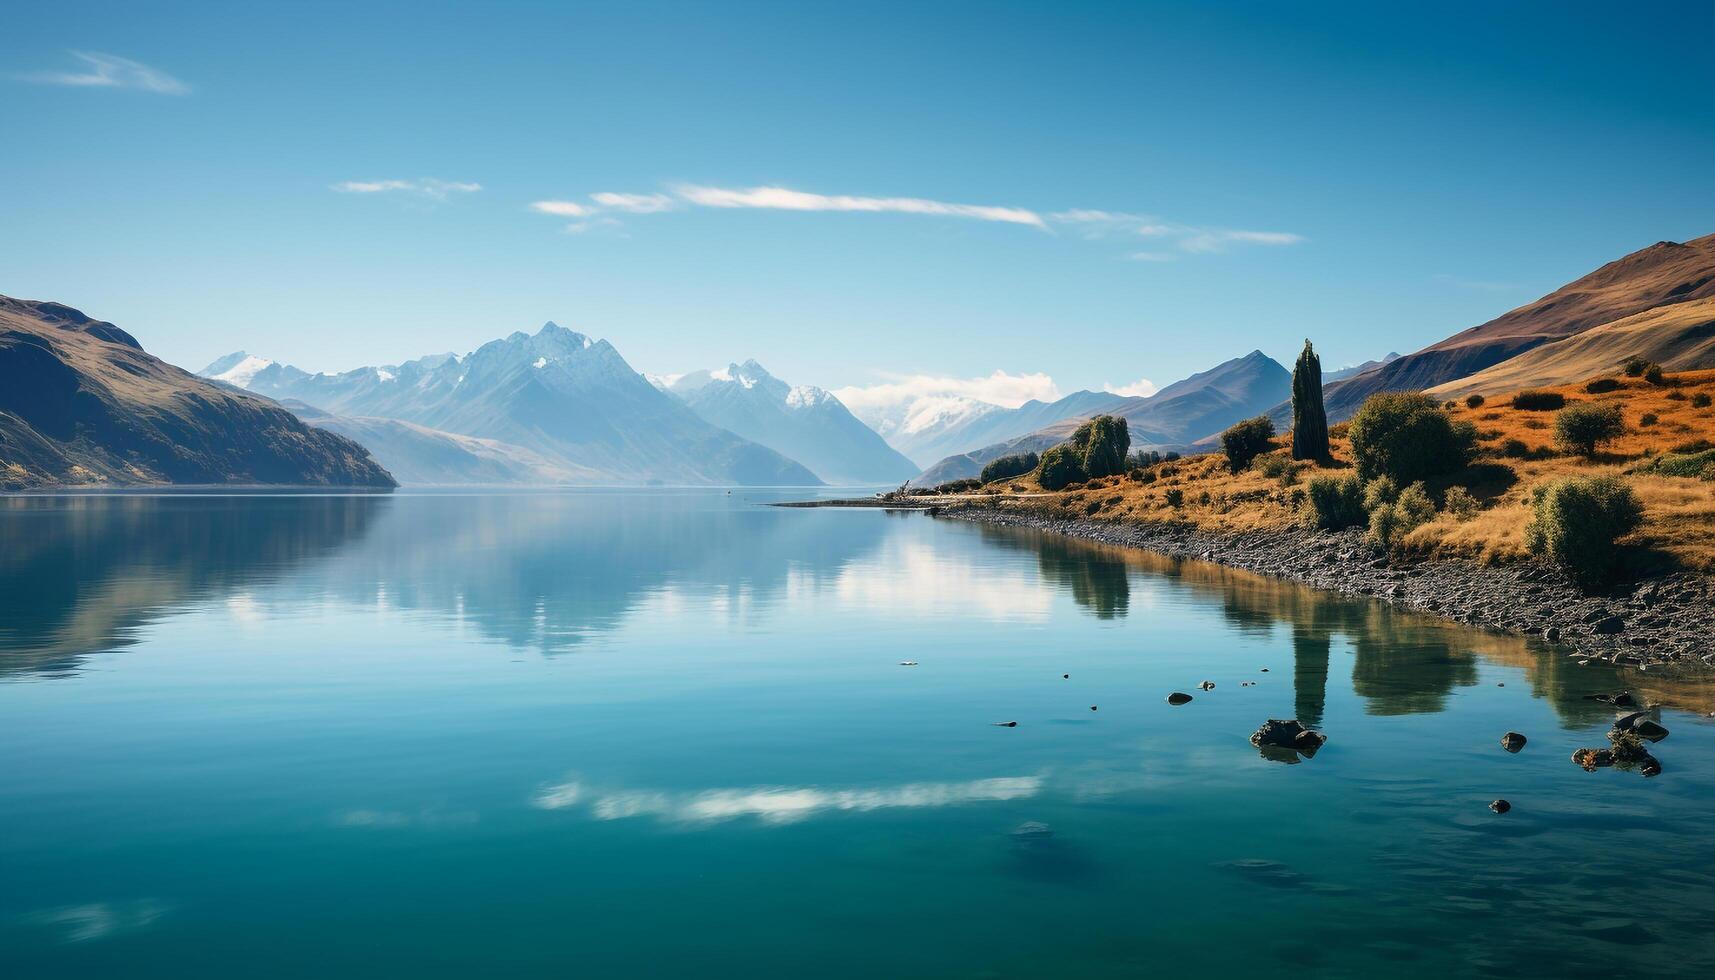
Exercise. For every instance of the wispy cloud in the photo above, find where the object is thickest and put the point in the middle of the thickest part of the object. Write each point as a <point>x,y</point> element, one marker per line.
<point>906,403</point>
<point>110,71</point>
<point>1186,238</point>
<point>429,187</point>
<point>635,203</point>
<point>1141,388</point>
<point>1171,238</point>
<point>784,199</point>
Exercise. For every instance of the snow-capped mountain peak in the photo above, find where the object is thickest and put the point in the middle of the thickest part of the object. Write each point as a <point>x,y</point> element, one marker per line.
<point>237,368</point>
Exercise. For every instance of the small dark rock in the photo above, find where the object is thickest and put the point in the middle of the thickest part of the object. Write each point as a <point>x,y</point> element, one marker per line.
<point>1206,686</point>
<point>1065,677</point>
<point>1500,806</point>
<point>1608,626</point>
<point>1092,707</point>
<point>1178,697</point>
<point>1006,724</point>
<point>1551,634</point>
<point>1263,669</point>
<point>1286,733</point>
<point>1512,741</point>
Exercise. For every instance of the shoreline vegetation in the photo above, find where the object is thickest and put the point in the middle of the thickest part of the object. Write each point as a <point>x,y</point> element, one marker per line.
<point>1582,514</point>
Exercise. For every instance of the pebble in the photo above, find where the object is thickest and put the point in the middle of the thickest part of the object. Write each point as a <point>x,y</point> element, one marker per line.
<point>1500,806</point>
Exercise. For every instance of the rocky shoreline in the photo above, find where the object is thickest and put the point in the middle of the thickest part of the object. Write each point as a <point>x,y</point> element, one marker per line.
<point>1663,624</point>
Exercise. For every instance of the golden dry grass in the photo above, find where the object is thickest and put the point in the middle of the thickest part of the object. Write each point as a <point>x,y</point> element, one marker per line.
<point>1679,513</point>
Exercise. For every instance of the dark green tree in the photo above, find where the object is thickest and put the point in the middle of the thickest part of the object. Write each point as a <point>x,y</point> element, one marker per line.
<point>1060,466</point>
<point>1246,441</point>
<point>1309,417</point>
<point>1105,440</point>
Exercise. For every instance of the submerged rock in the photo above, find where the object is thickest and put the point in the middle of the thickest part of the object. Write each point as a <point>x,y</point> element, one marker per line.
<point>1178,697</point>
<point>1500,806</point>
<point>1032,830</point>
<point>1006,724</point>
<point>1206,686</point>
<point>1512,741</point>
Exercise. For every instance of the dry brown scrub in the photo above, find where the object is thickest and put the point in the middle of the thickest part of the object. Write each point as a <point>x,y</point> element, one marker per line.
<point>1679,515</point>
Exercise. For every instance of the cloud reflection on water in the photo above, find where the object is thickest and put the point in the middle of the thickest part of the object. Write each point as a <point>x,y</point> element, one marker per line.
<point>778,804</point>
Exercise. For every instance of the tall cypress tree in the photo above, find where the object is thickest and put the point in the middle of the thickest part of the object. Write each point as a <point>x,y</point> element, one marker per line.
<point>1309,418</point>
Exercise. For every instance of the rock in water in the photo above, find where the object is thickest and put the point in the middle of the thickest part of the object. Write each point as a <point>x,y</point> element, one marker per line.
<point>1206,686</point>
<point>1512,741</point>
<point>1006,724</point>
<point>1288,734</point>
<point>1032,830</point>
<point>1178,697</point>
<point>1092,707</point>
<point>1500,806</point>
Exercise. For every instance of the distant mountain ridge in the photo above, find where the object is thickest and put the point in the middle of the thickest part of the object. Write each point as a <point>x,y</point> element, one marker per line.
<point>569,400</point>
<point>81,403</point>
<point>1173,418</point>
<point>803,422</point>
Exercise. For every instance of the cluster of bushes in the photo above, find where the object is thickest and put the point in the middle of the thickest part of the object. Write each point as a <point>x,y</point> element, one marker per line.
<point>1601,386</point>
<point>1149,457</point>
<point>1007,467</point>
<point>1098,448</point>
<point>1398,440</point>
<point>1638,367</point>
<point>1576,521</point>
<point>1698,464</point>
<point>1247,440</point>
<point>1531,400</point>
<point>1701,400</point>
<point>1474,401</point>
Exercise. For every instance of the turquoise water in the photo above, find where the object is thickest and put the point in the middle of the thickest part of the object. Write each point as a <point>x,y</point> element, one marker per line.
<point>668,734</point>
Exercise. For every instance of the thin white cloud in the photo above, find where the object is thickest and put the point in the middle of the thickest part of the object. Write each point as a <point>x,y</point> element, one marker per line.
<point>430,187</point>
<point>634,203</point>
<point>999,388</point>
<point>784,199</point>
<point>1206,241</point>
<point>111,71</point>
<point>1095,223</point>
<point>1141,388</point>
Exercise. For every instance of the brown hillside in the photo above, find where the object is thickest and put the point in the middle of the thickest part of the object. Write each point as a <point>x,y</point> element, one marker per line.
<point>1680,337</point>
<point>82,404</point>
<point>1665,273</point>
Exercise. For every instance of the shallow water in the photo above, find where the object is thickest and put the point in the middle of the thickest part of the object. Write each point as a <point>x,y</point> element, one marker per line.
<point>659,734</point>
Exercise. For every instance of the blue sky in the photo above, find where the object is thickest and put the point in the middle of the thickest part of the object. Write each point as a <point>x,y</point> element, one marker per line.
<point>847,192</point>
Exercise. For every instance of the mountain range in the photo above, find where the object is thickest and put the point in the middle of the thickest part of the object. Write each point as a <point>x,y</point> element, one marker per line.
<point>805,423</point>
<point>81,403</point>
<point>555,405</point>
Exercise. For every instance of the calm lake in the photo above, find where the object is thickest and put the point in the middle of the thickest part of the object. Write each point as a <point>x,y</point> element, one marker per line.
<point>668,734</point>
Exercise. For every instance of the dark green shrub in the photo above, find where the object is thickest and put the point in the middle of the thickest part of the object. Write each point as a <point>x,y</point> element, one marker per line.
<point>1144,457</point>
<point>1007,467</point>
<point>1578,519</point>
<point>1539,401</point>
<point>1380,492</point>
<point>1410,509</point>
<point>1175,498</point>
<point>1309,416</point>
<point>1601,386</point>
<point>1696,465</point>
<point>1675,396</point>
<point>1700,400</point>
<point>958,486</point>
<point>1474,401</point>
<point>1408,437</point>
<point>1060,467</point>
<point>1459,502</point>
<point>1581,428</point>
<point>1635,366</point>
<point>1648,418</point>
<point>1335,502</point>
<point>1247,440</point>
<point>1515,448</point>
<point>1654,375</point>
<point>1104,440</point>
